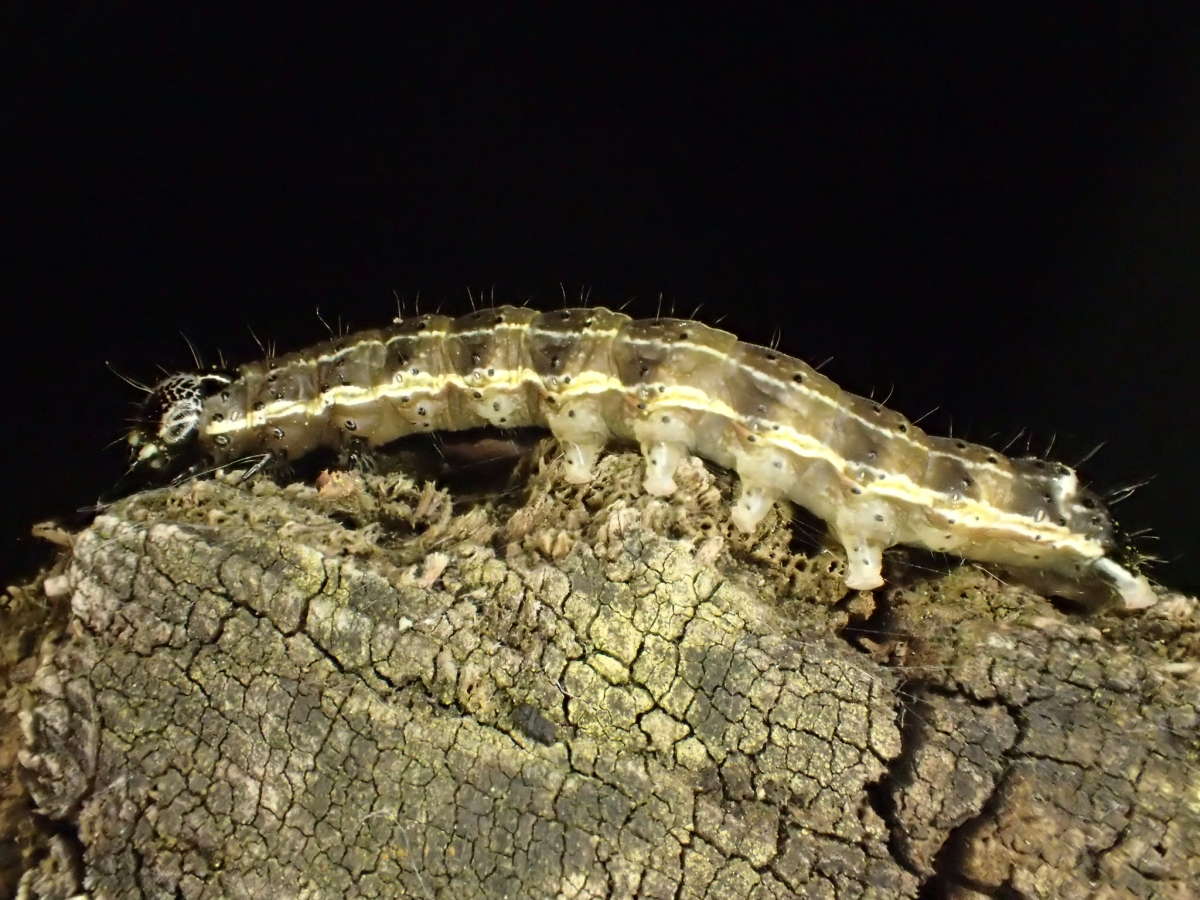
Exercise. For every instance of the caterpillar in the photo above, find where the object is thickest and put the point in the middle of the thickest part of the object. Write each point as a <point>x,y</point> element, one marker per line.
<point>671,386</point>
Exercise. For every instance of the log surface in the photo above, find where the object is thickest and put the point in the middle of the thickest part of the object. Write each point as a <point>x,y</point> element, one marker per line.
<point>373,688</point>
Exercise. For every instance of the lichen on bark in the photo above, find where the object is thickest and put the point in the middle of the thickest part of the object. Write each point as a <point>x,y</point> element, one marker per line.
<point>374,687</point>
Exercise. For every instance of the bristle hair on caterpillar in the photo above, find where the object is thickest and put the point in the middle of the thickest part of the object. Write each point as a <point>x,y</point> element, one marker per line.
<point>673,387</point>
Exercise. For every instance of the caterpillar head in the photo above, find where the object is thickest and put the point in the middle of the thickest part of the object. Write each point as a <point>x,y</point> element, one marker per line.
<point>163,439</point>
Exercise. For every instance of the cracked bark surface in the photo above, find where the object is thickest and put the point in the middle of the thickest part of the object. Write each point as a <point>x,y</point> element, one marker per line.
<point>366,688</point>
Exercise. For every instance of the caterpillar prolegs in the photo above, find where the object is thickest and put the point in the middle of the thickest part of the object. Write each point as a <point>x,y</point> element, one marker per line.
<point>672,386</point>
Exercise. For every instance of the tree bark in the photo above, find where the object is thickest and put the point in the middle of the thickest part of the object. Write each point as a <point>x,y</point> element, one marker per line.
<point>372,688</point>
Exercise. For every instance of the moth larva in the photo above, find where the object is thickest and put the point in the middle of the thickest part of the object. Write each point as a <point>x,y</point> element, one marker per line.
<point>674,387</point>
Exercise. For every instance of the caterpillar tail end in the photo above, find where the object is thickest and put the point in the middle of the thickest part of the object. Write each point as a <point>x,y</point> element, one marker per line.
<point>1133,589</point>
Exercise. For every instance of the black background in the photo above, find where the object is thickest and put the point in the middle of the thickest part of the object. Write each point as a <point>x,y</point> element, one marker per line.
<point>994,216</point>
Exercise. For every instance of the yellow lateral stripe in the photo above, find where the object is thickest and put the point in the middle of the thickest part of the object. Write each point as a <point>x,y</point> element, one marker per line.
<point>900,487</point>
<point>609,333</point>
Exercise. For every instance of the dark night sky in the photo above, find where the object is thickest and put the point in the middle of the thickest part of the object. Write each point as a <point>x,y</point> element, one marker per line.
<point>997,217</point>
